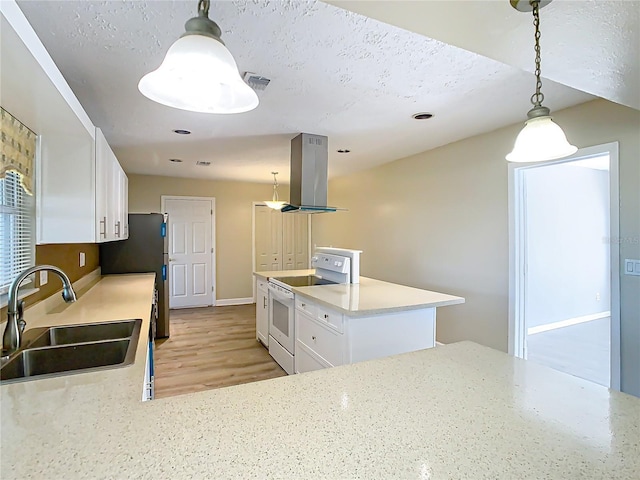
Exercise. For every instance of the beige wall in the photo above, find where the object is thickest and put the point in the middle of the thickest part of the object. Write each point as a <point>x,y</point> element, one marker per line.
<point>439,220</point>
<point>233,221</point>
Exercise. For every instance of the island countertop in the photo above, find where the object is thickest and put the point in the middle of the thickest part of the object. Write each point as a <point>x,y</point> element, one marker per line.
<point>459,411</point>
<point>371,297</point>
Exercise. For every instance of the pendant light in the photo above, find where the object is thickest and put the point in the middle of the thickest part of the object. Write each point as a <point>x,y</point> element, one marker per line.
<point>198,73</point>
<point>541,139</point>
<point>274,202</point>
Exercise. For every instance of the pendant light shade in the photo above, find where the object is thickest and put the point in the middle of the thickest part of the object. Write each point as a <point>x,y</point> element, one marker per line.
<point>274,202</point>
<point>541,138</point>
<point>198,73</point>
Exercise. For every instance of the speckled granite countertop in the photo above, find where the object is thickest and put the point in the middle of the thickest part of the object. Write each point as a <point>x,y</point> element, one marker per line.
<point>284,273</point>
<point>371,297</point>
<point>461,411</point>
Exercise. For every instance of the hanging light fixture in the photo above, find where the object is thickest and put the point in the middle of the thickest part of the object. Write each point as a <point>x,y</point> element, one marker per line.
<point>199,73</point>
<point>274,202</point>
<point>541,139</point>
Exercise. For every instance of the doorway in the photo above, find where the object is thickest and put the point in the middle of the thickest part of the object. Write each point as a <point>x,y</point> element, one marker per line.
<point>564,302</point>
<point>191,231</point>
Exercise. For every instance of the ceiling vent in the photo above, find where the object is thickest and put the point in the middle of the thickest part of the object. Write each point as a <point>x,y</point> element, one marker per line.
<point>203,164</point>
<point>255,81</point>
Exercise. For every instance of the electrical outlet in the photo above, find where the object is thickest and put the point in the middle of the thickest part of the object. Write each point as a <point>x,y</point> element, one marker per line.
<point>44,277</point>
<point>597,297</point>
<point>83,260</point>
<point>631,266</point>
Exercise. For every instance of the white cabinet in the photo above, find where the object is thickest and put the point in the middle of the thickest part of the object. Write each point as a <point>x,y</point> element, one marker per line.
<point>325,337</point>
<point>111,193</point>
<point>82,197</point>
<point>262,312</point>
<point>281,240</point>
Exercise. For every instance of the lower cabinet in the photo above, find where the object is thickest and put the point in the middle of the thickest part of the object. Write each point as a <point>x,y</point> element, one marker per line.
<point>328,338</point>
<point>262,312</point>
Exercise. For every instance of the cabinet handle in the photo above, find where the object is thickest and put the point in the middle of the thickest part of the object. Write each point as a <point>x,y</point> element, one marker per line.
<point>264,302</point>
<point>117,228</point>
<point>103,227</point>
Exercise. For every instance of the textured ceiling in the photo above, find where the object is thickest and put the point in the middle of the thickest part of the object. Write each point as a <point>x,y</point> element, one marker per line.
<point>590,45</point>
<point>333,72</point>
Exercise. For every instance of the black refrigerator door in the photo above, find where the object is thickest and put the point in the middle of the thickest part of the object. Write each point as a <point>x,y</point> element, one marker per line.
<point>142,252</point>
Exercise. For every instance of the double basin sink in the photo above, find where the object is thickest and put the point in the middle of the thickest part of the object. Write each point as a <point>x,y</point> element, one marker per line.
<point>54,351</point>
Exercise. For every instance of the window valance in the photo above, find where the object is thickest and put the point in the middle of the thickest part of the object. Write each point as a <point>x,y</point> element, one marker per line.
<point>18,150</point>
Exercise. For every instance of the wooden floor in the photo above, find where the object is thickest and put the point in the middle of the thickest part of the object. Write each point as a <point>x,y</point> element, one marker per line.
<point>210,348</point>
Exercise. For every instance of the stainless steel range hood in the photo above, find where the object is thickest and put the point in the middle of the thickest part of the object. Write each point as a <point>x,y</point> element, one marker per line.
<point>309,167</point>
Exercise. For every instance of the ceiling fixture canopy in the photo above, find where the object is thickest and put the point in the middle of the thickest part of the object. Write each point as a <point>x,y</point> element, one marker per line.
<point>198,73</point>
<point>541,138</point>
<point>274,202</point>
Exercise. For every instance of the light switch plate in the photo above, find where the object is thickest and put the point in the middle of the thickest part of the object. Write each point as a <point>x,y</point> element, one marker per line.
<point>44,277</point>
<point>82,259</point>
<point>631,267</point>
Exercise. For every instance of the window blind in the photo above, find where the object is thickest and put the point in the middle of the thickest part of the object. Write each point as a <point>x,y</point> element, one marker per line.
<point>17,221</point>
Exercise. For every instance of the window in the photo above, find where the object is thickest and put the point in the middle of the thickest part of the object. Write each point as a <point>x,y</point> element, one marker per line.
<point>17,203</point>
<point>17,212</point>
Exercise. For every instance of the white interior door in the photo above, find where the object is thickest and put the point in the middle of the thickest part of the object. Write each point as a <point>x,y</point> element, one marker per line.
<point>190,252</point>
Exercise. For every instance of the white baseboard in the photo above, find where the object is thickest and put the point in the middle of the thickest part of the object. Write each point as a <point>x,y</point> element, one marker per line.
<point>567,323</point>
<point>225,302</point>
<point>439,344</point>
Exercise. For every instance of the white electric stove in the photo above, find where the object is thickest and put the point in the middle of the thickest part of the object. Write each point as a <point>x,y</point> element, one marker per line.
<point>333,265</point>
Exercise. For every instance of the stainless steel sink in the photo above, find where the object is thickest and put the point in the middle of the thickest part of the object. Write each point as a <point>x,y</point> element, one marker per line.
<point>93,332</point>
<point>55,351</point>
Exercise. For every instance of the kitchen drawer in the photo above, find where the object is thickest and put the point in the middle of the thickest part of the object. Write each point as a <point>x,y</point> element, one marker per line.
<point>334,319</point>
<point>262,285</point>
<point>306,306</point>
<point>318,338</point>
<point>305,362</point>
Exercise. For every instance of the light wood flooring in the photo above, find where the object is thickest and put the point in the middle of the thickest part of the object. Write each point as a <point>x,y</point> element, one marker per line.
<point>211,348</point>
<point>583,350</point>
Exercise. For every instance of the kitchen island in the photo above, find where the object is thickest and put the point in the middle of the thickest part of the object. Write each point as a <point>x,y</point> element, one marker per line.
<point>353,322</point>
<point>457,411</point>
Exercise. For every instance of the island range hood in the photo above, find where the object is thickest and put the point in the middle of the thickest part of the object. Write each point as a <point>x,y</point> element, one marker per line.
<point>309,166</point>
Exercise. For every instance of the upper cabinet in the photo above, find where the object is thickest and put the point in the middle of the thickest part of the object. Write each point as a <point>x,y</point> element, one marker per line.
<point>111,194</point>
<point>81,190</point>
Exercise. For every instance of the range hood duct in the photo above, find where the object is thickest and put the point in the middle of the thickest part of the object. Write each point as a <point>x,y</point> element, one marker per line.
<point>309,175</point>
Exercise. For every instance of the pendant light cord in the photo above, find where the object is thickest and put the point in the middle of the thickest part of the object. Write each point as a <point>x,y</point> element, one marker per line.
<point>275,187</point>
<point>537,98</point>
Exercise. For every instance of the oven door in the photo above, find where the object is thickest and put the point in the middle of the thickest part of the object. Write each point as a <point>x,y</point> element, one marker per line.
<point>281,316</point>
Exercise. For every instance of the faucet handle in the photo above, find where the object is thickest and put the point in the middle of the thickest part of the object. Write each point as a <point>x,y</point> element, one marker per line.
<point>21,322</point>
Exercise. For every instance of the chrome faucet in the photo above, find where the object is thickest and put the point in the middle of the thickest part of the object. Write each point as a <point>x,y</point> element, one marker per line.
<point>12,338</point>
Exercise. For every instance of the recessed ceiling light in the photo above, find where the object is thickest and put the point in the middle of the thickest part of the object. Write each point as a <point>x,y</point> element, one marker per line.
<point>344,150</point>
<point>176,160</point>
<point>422,116</point>
<point>179,131</point>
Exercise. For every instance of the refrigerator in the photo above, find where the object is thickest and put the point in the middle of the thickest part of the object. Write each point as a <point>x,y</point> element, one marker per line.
<point>144,251</point>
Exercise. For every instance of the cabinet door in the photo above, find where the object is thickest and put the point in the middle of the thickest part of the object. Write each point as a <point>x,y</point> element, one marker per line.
<point>103,180</point>
<point>268,235</point>
<point>289,241</point>
<point>301,241</point>
<point>262,316</point>
<point>124,199</point>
